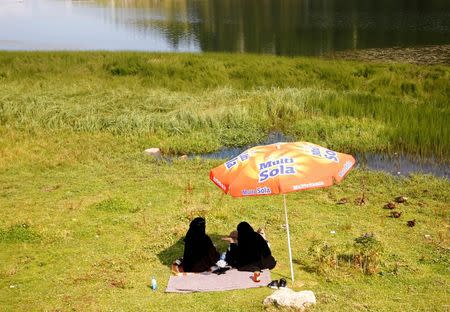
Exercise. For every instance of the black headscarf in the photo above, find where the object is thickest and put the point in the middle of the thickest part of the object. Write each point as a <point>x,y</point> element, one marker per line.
<point>199,251</point>
<point>252,247</point>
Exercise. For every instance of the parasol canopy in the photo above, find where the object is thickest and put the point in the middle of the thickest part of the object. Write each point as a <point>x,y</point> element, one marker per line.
<point>281,168</point>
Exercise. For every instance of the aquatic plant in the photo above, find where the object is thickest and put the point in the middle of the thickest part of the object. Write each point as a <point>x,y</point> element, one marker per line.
<point>198,103</point>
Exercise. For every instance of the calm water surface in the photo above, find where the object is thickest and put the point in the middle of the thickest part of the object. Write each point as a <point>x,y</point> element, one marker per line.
<point>285,27</point>
<point>396,164</point>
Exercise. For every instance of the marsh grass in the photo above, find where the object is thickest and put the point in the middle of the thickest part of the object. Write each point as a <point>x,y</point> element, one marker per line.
<point>368,252</point>
<point>229,100</point>
<point>365,255</point>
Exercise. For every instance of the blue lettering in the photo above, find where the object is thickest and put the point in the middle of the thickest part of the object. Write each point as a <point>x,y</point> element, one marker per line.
<point>265,165</point>
<point>244,156</point>
<point>274,172</point>
<point>264,190</point>
<point>273,168</point>
<point>231,163</point>
<point>281,170</point>
<point>263,176</point>
<point>331,155</point>
<point>234,161</point>
<point>290,170</point>
<point>315,151</point>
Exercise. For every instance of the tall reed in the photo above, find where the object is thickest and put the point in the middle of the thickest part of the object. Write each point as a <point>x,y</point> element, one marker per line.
<point>229,99</point>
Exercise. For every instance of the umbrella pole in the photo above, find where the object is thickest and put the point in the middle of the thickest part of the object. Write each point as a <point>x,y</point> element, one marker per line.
<point>289,239</point>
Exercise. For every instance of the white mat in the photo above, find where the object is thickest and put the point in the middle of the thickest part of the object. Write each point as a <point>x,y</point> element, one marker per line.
<point>207,281</point>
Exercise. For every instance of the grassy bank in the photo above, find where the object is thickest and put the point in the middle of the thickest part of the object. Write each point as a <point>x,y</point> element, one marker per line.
<point>229,100</point>
<point>86,219</point>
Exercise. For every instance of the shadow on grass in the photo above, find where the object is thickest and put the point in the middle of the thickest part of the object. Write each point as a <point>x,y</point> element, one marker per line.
<point>19,233</point>
<point>174,252</point>
<point>305,265</point>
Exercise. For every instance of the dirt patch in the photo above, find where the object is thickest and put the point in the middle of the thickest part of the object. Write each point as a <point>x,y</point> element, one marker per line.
<point>428,55</point>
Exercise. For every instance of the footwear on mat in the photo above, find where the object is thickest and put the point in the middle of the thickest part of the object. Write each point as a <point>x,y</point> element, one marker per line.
<point>282,283</point>
<point>273,284</point>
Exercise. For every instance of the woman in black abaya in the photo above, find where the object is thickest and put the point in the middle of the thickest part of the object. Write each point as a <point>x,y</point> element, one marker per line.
<point>199,251</point>
<point>252,252</point>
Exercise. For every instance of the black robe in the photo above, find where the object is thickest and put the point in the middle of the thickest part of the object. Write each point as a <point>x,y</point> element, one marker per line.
<point>199,251</point>
<point>252,252</point>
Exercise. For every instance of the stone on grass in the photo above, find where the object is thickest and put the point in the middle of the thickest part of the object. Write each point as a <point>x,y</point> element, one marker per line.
<point>401,199</point>
<point>286,297</point>
<point>154,151</point>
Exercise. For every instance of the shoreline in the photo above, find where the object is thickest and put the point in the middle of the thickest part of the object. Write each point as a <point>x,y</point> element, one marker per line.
<point>425,55</point>
<point>419,55</point>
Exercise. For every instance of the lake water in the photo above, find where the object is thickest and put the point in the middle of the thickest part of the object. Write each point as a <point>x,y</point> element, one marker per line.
<point>283,27</point>
<point>396,164</point>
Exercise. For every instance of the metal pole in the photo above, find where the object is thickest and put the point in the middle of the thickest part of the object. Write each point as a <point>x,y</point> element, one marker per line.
<point>289,239</point>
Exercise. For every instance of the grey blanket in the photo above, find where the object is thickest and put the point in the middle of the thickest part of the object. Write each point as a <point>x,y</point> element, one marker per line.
<point>207,281</point>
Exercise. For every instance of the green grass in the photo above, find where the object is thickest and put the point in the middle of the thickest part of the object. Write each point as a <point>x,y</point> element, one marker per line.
<point>86,219</point>
<point>18,233</point>
<point>107,218</point>
<point>216,100</point>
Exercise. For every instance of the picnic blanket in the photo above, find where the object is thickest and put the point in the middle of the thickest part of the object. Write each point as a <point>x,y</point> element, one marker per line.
<point>177,269</point>
<point>208,281</point>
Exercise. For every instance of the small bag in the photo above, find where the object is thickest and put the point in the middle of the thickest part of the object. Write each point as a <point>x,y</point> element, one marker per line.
<point>220,271</point>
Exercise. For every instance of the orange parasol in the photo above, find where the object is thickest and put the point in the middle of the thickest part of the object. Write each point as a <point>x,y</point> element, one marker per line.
<point>281,168</point>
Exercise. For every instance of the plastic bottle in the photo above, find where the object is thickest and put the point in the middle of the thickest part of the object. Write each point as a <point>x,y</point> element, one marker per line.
<point>154,286</point>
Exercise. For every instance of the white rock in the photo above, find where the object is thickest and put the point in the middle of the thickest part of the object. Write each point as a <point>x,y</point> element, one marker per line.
<point>154,151</point>
<point>286,297</point>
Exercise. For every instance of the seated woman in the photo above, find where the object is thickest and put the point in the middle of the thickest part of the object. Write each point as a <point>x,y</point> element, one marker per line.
<point>251,253</point>
<point>199,251</point>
